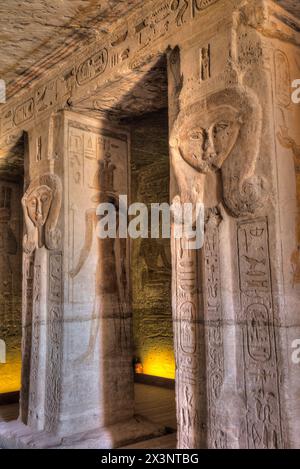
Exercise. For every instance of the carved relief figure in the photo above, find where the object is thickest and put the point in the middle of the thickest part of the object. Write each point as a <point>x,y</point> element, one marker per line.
<point>205,63</point>
<point>8,247</point>
<point>290,144</point>
<point>210,136</point>
<point>41,205</point>
<point>109,288</point>
<point>158,263</point>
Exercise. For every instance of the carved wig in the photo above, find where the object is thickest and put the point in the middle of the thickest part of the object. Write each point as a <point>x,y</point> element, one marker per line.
<point>236,114</point>
<point>43,231</point>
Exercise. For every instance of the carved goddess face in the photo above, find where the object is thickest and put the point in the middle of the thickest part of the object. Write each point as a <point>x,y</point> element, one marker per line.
<point>208,138</point>
<point>38,205</point>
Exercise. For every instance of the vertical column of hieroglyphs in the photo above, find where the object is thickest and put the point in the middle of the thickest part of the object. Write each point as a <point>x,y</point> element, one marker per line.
<point>214,326</point>
<point>259,342</point>
<point>188,343</point>
<point>41,328</point>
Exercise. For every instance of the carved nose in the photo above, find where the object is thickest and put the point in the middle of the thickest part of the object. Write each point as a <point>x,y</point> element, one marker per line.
<point>208,146</point>
<point>39,208</point>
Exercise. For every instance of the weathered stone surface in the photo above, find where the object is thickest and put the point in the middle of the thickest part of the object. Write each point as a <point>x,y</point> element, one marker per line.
<point>234,147</point>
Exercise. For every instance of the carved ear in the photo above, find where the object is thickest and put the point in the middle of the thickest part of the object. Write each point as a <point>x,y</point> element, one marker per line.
<point>52,233</point>
<point>243,190</point>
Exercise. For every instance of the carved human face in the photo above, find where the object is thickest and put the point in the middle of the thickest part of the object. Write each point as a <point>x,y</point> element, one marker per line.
<point>208,138</point>
<point>38,205</point>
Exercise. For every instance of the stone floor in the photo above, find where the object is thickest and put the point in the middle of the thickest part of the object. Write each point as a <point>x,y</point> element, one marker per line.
<point>155,403</point>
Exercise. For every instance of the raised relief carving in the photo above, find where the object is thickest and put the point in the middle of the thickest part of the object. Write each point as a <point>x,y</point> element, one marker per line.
<point>165,18</point>
<point>7,121</point>
<point>189,380</point>
<point>92,67</point>
<point>54,340</point>
<point>24,112</point>
<point>210,136</point>
<point>109,288</point>
<point>45,96</point>
<point>214,321</point>
<point>205,64</point>
<point>35,349</point>
<point>41,206</point>
<point>180,7</point>
<point>282,79</point>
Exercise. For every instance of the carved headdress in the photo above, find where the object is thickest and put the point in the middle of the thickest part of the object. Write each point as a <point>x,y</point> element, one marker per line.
<point>222,132</point>
<point>41,204</point>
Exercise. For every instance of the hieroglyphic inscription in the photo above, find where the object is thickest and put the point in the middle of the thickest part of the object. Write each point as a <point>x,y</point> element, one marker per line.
<point>163,18</point>
<point>259,339</point>
<point>214,326</point>
<point>54,341</point>
<point>28,278</point>
<point>282,78</point>
<point>35,346</point>
<point>187,345</point>
<point>92,67</point>
<point>205,68</point>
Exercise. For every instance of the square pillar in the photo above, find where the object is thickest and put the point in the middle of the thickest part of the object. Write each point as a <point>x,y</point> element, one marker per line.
<point>234,148</point>
<point>77,377</point>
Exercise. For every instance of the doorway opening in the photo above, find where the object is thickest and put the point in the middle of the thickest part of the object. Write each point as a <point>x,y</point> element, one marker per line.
<point>150,259</point>
<point>151,273</point>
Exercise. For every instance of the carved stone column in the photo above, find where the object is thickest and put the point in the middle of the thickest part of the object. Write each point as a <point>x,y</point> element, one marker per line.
<point>77,376</point>
<point>235,300</point>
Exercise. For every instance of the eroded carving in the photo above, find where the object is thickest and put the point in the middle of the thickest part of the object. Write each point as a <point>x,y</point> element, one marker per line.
<point>210,136</point>
<point>41,206</point>
<point>259,337</point>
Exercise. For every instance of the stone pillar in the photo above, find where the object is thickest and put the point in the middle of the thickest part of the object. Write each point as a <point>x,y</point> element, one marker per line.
<point>77,377</point>
<point>233,148</point>
<point>79,353</point>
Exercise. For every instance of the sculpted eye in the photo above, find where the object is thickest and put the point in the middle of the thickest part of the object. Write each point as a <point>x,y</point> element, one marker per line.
<point>221,126</point>
<point>196,135</point>
<point>44,198</point>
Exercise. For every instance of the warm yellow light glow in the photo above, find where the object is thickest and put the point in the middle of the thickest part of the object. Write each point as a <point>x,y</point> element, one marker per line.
<point>138,368</point>
<point>159,363</point>
<point>10,372</point>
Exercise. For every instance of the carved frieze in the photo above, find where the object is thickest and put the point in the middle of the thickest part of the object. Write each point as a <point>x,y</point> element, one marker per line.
<point>126,42</point>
